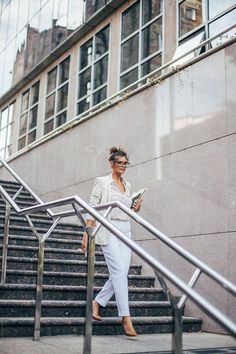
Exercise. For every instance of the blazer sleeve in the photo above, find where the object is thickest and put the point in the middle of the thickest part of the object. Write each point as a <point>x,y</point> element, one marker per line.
<point>96,195</point>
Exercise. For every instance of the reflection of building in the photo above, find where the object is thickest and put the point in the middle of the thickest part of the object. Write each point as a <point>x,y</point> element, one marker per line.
<point>180,134</point>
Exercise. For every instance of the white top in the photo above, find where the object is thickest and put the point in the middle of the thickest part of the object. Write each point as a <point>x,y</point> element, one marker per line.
<point>116,194</point>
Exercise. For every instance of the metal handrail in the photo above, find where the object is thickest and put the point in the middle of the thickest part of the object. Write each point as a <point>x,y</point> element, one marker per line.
<point>158,268</point>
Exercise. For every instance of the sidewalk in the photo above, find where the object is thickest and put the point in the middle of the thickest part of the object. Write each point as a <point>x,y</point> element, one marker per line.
<point>143,344</point>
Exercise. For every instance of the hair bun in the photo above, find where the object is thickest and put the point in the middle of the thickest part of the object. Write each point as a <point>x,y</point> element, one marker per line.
<point>114,149</point>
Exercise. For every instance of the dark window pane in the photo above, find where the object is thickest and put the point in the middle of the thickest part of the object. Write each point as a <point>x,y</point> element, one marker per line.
<point>100,72</point>
<point>93,6</point>
<point>52,79</point>
<point>48,127</point>
<point>100,96</point>
<point>64,69</point>
<point>61,119</point>
<point>151,9</point>
<point>33,113</point>
<point>218,6</point>
<point>152,38</point>
<point>25,101</point>
<point>62,98</point>
<point>83,106</point>
<point>35,93</point>
<point>23,124</point>
<point>85,83</point>
<point>129,78</point>
<point>190,15</point>
<point>50,106</point>
<point>130,20</point>
<point>151,65</point>
<point>101,42</point>
<point>86,51</point>
<point>21,143</point>
<point>129,52</point>
<point>31,137</point>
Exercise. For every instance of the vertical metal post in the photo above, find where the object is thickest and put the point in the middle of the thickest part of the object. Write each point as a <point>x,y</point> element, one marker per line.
<point>177,334</point>
<point>5,243</point>
<point>39,291</point>
<point>89,300</point>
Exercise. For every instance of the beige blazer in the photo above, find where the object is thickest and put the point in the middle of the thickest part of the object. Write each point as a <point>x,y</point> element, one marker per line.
<point>101,194</point>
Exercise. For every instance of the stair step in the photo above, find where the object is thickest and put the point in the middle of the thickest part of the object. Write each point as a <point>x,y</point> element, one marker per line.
<point>16,308</point>
<point>73,293</point>
<point>21,326</point>
<point>59,278</point>
<point>60,265</point>
<point>50,253</point>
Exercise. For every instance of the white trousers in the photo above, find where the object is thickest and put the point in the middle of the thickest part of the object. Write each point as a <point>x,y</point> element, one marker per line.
<point>117,256</point>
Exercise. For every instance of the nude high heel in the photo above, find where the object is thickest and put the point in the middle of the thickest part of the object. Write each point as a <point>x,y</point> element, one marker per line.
<point>128,327</point>
<point>96,308</point>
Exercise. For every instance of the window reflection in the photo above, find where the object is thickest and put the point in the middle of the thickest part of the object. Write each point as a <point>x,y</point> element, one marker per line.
<point>151,65</point>
<point>34,7</point>
<point>191,15</point>
<point>62,98</point>
<point>75,14</point>
<point>219,25</point>
<point>85,83</point>
<point>64,68</point>
<point>50,106</point>
<point>4,28</point>
<point>86,51</point>
<point>100,72</point>
<point>59,30</point>
<point>218,6</point>
<point>52,80</point>
<point>1,71</point>
<point>34,93</point>
<point>19,57</point>
<point>25,101</point>
<point>23,124</point>
<point>129,78</point>
<point>23,14</point>
<point>8,66</point>
<point>129,52</point>
<point>99,96</point>
<point>45,30</point>
<point>130,20</point>
<point>151,9</point>
<point>101,42</point>
<point>61,119</point>
<point>152,38</point>
<point>92,6</point>
<point>32,46</point>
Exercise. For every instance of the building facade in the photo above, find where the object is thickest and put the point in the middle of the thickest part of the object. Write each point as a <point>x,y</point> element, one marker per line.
<point>66,67</point>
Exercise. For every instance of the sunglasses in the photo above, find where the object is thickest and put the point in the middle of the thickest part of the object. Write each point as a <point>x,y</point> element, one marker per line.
<point>121,163</point>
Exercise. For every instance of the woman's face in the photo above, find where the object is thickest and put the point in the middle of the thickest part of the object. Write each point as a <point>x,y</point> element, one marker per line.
<point>119,165</point>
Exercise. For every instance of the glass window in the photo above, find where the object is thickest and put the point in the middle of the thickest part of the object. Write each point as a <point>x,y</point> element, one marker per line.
<point>4,28</point>
<point>218,6</point>
<point>151,65</point>
<point>13,16</point>
<point>75,14</point>
<point>220,24</point>
<point>33,43</point>
<point>146,34</point>
<point>52,79</point>
<point>19,55</point>
<point>129,52</point>
<point>59,31</point>
<point>45,30</point>
<point>100,72</point>
<point>29,116</point>
<point>93,71</point>
<point>151,9</point>
<point>22,14</point>
<point>7,117</point>
<point>57,98</point>
<point>34,7</point>
<point>8,66</point>
<point>130,20</point>
<point>152,38</point>
<point>92,6</point>
<point>191,15</point>
<point>129,78</point>
<point>64,68</point>
<point>101,42</point>
<point>86,52</point>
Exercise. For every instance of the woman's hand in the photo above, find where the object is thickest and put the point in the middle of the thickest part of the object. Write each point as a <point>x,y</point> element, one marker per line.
<point>84,242</point>
<point>137,205</point>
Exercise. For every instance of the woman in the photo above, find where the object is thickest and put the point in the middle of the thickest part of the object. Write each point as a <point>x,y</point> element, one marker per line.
<point>117,254</point>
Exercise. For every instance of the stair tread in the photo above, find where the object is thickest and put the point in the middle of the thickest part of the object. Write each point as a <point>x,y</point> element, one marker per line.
<point>50,239</point>
<point>44,230</point>
<point>47,249</point>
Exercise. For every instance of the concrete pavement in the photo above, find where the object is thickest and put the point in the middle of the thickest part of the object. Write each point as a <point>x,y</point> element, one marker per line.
<point>143,344</point>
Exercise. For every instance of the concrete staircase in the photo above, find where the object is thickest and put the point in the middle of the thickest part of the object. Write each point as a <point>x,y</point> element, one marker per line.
<point>64,289</point>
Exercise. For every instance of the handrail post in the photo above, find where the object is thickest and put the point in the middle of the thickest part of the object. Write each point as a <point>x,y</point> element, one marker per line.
<point>39,291</point>
<point>5,243</point>
<point>177,333</point>
<point>89,300</point>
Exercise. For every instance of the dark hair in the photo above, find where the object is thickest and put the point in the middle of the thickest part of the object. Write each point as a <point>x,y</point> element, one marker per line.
<point>117,152</point>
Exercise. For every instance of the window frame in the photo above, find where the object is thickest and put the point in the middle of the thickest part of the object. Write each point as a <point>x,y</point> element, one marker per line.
<point>91,66</point>
<point>27,111</point>
<point>139,31</point>
<point>55,91</point>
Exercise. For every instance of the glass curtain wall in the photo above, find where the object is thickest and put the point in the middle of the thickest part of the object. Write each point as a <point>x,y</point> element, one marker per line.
<point>31,29</point>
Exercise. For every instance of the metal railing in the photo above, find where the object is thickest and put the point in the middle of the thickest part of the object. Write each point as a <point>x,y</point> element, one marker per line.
<point>80,207</point>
